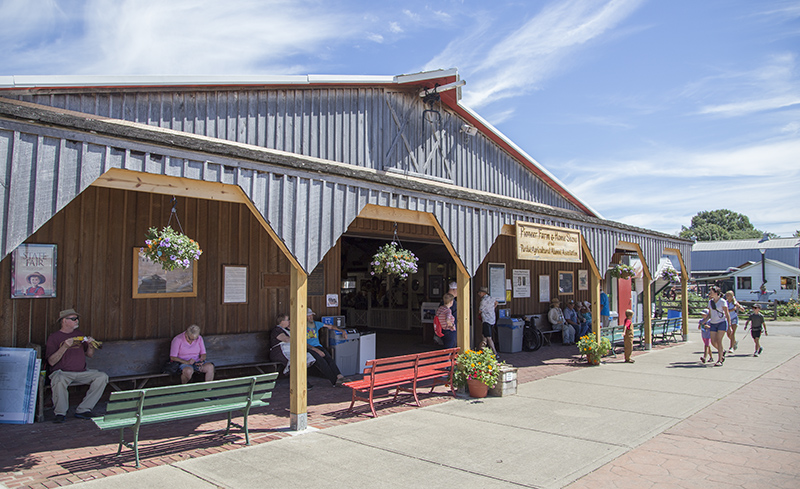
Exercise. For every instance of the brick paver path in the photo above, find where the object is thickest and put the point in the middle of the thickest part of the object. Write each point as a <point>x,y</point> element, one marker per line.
<point>50,455</point>
<point>748,439</point>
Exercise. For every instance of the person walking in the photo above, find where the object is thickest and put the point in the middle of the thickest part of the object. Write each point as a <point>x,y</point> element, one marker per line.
<point>757,319</point>
<point>718,319</point>
<point>734,308</point>
<point>705,333</point>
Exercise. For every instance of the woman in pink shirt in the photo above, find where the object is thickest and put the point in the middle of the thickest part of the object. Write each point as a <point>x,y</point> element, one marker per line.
<point>188,355</point>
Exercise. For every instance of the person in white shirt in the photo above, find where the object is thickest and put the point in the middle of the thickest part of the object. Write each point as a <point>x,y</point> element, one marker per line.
<point>486,308</point>
<point>556,318</point>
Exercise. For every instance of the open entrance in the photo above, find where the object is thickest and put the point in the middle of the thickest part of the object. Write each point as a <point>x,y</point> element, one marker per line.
<point>399,311</point>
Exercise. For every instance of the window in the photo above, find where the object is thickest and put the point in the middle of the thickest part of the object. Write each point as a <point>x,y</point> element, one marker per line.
<point>789,283</point>
<point>744,283</point>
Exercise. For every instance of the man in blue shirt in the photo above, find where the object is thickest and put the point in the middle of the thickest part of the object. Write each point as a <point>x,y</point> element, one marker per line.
<point>605,310</point>
<point>324,361</point>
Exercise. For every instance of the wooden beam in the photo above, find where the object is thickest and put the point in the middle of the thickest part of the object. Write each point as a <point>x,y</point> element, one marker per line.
<point>464,332</point>
<point>298,395</point>
<point>382,213</point>
<point>684,292</point>
<point>167,185</point>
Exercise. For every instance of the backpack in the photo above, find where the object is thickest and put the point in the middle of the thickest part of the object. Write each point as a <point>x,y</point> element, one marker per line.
<point>437,327</point>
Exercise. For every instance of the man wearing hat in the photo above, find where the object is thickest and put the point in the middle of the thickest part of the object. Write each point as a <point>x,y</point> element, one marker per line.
<point>556,318</point>
<point>323,359</point>
<point>486,308</point>
<point>36,280</point>
<point>67,360</point>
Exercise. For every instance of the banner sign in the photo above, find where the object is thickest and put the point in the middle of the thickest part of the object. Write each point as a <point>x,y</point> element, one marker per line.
<point>547,243</point>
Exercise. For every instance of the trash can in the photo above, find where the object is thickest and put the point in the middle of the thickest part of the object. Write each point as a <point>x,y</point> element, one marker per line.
<point>345,350</point>
<point>614,319</point>
<point>509,335</point>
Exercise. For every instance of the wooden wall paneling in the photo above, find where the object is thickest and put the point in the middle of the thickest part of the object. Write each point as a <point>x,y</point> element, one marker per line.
<point>100,236</point>
<point>197,313</point>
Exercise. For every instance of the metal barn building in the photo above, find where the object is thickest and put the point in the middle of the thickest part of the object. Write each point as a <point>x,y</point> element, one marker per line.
<point>296,179</point>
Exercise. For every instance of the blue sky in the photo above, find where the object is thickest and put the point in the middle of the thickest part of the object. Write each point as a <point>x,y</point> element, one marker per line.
<point>649,110</point>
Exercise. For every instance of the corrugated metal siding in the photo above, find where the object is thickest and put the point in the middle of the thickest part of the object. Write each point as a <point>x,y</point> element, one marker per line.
<point>45,168</point>
<point>721,260</point>
<point>357,126</point>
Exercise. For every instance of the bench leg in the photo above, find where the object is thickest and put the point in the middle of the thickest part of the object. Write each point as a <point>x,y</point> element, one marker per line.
<point>228,427</point>
<point>372,403</point>
<point>121,441</point>
<point>246,431</point>
<point>136,445</point>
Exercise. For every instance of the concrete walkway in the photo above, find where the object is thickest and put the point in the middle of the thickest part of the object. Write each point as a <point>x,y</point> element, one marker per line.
<point>665,421</point>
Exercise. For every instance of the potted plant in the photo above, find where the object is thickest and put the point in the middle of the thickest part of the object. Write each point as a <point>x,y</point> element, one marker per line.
<point>622,271</point>
<point>170,249</point>
<point>671,275</point>
<point>477,370</point>
<point>392,260</point>
<point>593,350</point>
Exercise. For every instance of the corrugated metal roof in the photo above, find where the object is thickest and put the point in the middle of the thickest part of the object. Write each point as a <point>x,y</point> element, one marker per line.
<point>746,244</point>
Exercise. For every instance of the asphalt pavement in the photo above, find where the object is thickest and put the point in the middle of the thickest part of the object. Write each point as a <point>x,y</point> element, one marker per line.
<point>665,421</point>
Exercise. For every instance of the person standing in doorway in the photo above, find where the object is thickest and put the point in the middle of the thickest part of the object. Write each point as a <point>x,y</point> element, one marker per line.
<point>448,321</point>
<point>488,317</point>
<point>605,309</point>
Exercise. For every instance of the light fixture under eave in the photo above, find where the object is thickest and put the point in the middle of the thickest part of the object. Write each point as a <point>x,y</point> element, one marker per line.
<point>469,130</point>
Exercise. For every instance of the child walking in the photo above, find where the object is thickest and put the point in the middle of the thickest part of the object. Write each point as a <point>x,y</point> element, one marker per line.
<point>628,336</point>
<point>758,324</point>
<point>705,332</point>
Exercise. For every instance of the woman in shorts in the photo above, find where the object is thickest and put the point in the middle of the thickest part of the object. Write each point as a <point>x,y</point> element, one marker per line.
<point>718,319</point>
<point>734,308</point>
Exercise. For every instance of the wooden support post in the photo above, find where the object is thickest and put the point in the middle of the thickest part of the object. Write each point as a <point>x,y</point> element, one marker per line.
<point>684,303</point>
<point>464,299</point>
<point>298,396</point>
<point>596,319</point>
<point>647,301</point>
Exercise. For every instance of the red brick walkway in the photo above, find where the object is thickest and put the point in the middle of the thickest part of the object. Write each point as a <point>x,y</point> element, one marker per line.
<point>52,455</point>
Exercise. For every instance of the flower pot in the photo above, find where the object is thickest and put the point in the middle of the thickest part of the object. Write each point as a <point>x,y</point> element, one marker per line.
<point>477,388</point>
<point>593,361</point>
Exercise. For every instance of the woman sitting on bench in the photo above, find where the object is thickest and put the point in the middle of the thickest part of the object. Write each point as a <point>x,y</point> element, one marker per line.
<point>187,355</point>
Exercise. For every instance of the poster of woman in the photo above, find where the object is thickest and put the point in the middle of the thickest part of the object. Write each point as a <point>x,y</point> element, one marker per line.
<point>33,271</point>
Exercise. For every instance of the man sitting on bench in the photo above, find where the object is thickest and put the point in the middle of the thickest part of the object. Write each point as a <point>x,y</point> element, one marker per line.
<point>323,359</point>
<point>66,354</point>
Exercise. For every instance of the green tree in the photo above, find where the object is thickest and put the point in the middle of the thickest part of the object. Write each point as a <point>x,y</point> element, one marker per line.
<point>718,225</point>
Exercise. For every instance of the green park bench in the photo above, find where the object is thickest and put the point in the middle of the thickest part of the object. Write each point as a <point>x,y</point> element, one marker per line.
<point>134,408</point>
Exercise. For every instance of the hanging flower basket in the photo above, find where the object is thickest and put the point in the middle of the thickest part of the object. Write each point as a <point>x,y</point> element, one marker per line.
<point>170,249</point>
<point>392,260</point>
<point>671,275</point>
<point>622,271</point>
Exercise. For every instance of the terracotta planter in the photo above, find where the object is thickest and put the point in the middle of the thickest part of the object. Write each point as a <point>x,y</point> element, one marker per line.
<point>477,388</point>
<point>593,361</point>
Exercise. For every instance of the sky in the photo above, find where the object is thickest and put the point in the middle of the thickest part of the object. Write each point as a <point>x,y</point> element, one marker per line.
<point>650,111</point>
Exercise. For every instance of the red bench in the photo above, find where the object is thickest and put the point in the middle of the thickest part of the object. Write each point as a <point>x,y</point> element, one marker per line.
<point>402,371</point>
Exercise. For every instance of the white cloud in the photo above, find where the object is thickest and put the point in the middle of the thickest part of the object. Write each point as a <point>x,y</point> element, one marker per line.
<point>395,28</point>
<point>760,181</point>
<point>534,52</point>
<point>193,37</point>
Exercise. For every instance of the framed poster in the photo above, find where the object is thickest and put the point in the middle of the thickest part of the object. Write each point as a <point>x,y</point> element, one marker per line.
<point>522,283</point>
<point>566,285</point>
<point>497,282</point>
<point>583,279</point>
<point>544,288</point>
<point>436,286</point>
<point>33,271</point>
<point>234,284</point>
<point>150,281</point>
<point>428,311</point>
